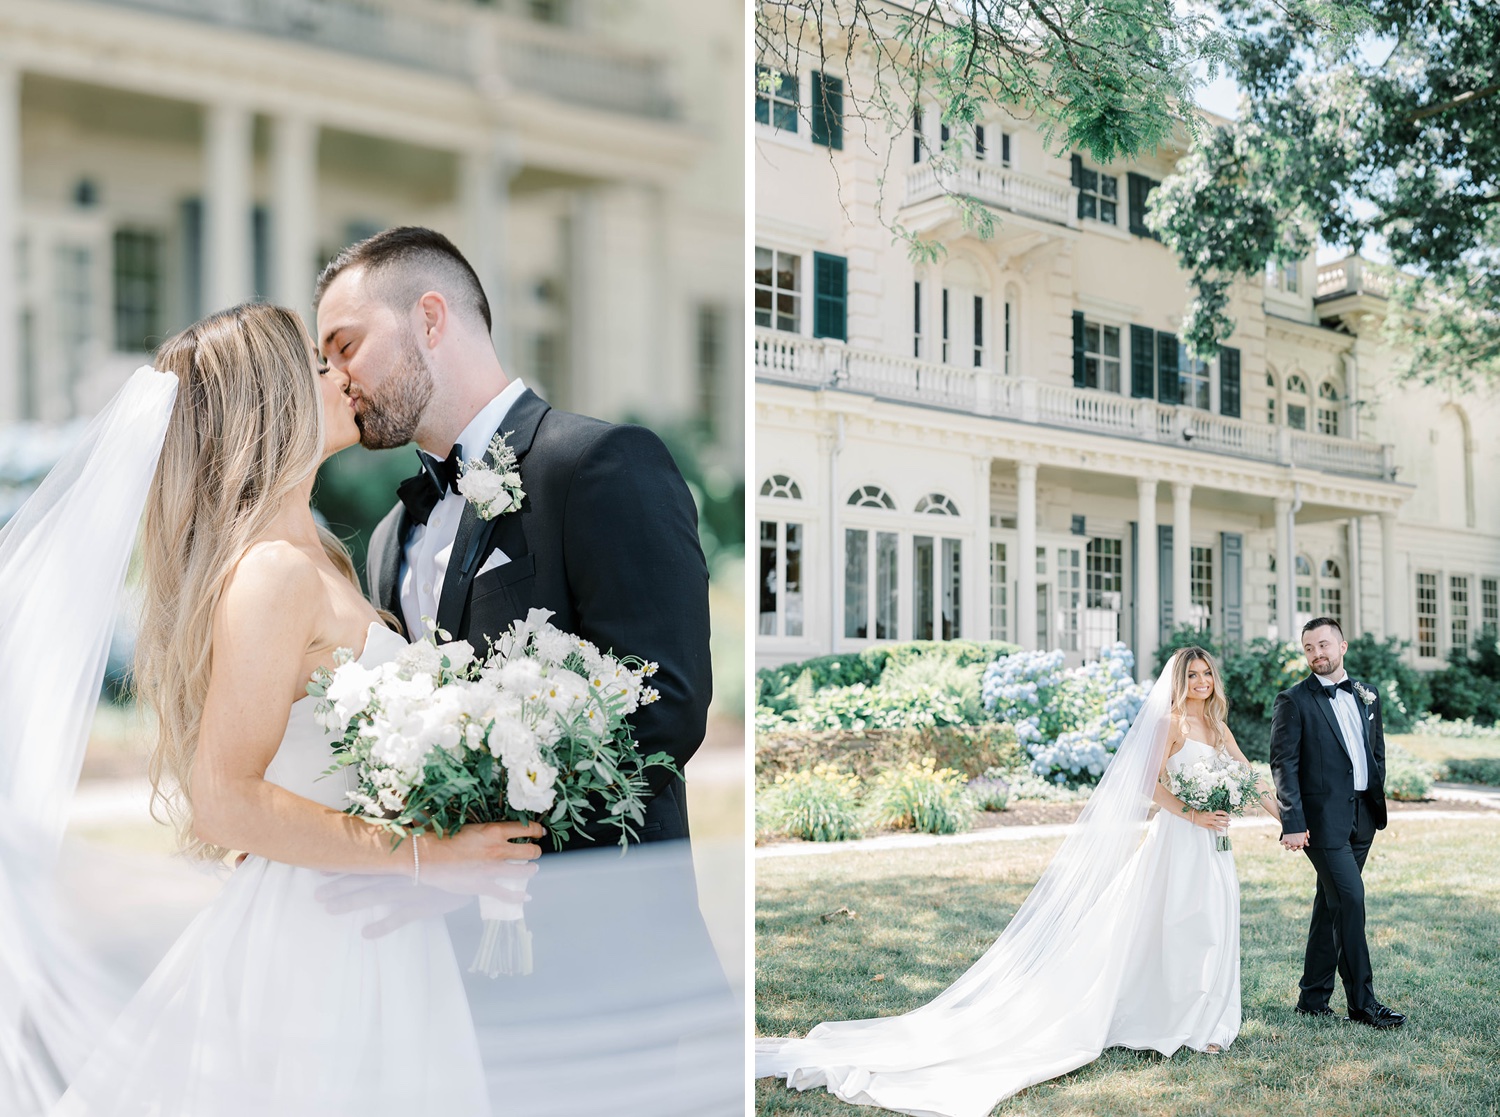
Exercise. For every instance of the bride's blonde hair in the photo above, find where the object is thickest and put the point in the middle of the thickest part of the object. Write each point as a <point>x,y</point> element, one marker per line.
<point>1216,709</point>
<point>246,430</point>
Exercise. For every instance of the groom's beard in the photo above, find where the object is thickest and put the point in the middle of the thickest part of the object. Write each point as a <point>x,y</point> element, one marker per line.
<point>390,418</point>
<point>1329,666</point>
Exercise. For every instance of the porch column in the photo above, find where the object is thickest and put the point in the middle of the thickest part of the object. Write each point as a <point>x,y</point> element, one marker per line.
<point>1182,552</point>
<point>294,208</point>
<point>976,607</point>
<point>227,167</point>
<point>11,389</point>
<point>1390,577</point>
<point>1147,600</point>
<point>484,199</point>
<point>1026,559</point>
<point>1354,614</point>
<point>1286,575</point>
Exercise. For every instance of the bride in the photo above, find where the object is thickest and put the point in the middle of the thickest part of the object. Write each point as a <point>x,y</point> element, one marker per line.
<point>1124,942</point>
<point>272,1001</point>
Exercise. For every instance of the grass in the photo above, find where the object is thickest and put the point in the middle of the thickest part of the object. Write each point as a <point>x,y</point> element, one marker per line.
<point>1435,750</point>
<point>923,915</point>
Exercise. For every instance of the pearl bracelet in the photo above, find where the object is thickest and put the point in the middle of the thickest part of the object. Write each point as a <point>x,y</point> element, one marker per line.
<point>416,860</point>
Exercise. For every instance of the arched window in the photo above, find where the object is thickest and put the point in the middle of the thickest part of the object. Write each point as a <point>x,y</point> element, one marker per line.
<point>1328,409</point>
<point>1296,413</point>
<point>936,504</point>
<point>1304,613</point>
<point>1271,408</point>
<point>781,487</point>
<point>1330,570</point>
<point>1331,591</point>
<point>871,496</point>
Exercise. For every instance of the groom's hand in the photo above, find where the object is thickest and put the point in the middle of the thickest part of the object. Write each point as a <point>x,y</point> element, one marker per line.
<point>1295,841</point>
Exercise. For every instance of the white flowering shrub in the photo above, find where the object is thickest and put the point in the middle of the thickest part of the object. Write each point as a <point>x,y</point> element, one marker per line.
<point>1070,721</point>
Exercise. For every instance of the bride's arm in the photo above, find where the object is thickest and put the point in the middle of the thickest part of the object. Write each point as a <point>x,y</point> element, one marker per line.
<point>1267,796</point>
<point>267,623</point>
<point>1209,820</point>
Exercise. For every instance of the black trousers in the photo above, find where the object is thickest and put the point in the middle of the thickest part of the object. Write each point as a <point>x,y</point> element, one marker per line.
<point>1336,936</point>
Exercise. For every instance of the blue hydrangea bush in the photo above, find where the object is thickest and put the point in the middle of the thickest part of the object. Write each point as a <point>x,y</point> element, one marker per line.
<point>1070,721</point>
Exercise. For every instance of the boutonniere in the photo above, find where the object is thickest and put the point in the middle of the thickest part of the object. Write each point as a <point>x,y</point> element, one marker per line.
<point>1366,695</point>
<point>493,487</point>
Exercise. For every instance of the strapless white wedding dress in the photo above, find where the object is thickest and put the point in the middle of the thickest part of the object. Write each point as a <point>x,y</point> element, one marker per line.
<point>1155,965</point>
<point>270,1004</point>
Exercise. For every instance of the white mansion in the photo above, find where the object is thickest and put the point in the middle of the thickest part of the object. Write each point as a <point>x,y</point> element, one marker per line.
<point>1011,443</point>
<point>163,158</point>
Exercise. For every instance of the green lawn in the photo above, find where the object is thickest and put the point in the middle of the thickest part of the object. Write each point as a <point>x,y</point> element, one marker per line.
<point>924,914</point>
<point>1438,749</point>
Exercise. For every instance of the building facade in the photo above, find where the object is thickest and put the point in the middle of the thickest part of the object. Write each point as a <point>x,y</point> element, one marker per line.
<point>163,158</point>
<point>1010,441</point>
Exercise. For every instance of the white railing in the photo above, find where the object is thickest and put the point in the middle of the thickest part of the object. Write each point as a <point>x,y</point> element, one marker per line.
<point>466,41</point>
<point>996,186</point>
<point>788,358</point>
<point>1353,276</point>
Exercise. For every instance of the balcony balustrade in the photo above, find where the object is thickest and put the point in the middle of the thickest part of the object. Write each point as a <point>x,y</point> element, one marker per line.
<point>996,186</point>
<point>789,359</point>
<point>1353,276</point>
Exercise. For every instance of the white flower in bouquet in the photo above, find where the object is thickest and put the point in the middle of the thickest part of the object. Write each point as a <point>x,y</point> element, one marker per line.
<point>532,786</point>
<point>553,646</point>
<point>421,658</point>
<point>352,689</point>
<point>460,653</point>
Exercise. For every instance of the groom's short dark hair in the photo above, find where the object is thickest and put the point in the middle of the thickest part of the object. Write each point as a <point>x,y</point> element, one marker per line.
<point>1319,622</point>
<point>405,263</point>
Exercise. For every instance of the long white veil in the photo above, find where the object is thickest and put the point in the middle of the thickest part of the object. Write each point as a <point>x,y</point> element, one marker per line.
<point>1036,1004</point>
<point>63,559</point>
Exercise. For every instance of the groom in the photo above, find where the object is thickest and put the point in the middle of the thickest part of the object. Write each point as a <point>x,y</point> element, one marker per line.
<point>606,534</point>
<point>1328,761</point>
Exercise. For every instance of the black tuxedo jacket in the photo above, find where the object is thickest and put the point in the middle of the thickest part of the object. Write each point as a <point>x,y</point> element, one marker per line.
<point>1313,773</point>
<point>607,538</point>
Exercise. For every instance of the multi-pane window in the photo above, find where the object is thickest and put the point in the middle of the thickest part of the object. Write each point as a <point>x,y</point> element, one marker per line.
<point>952,588</point>
<point>1427,616</point>
<point>1201,587</point>
<point>1331,593</point>
<point>937,588</point>
<point>916,134</point>
<point>916,319</point>
<point>1009,339</point>
<point>1489,603</point>
<point>856,583</point>
<point>780,487</point>
<point>1098,195</point>
<point>1328,409</point>
<point>1101,356</point>
<point>871,496</point>
<point>978,331</point>
<point>778,290</point>
<point>1192,380</point>
<point>945,325</point>
<point>781,605</point>
<point>1043,612</point>
<point>1296,412</point>
<point>776,99</point>
<point>923,576</point>
<point>999,593</point>
<point>887,588</point>
<point>1458,612</point>
<point>1303,569</point>
<point>1270,399</point>
<point>1104,594</point>
<point>987,150</point>
<point>936,504</point>
<point>138,289</point>
<point>1069,598</point>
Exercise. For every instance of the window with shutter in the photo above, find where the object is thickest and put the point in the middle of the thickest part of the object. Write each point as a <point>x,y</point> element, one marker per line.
<point>1166,368</point>
<point>830,296</point>
<point>1142,362</point>
<point>1139,189</point>
<point>1229,382</point>
<point>827,123</point>
<point>1080,376</point>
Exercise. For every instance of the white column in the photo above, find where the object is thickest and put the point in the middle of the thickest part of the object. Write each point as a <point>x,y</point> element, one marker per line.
<point>1390,577</point>
<point>1147,600</point>
<point>484,198</point>
<point>227,166</point>
<point>1182,552</point>
<point>1026,558</point>
<point>294,211</point>
<point>1354,613</point>
<point>10,234</point>
<point>976,610</point>
<point>1286,575</point>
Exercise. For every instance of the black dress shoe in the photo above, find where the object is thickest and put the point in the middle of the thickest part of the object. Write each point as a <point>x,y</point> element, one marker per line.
<point>1378,1016</point>
<point>1321,1010</point>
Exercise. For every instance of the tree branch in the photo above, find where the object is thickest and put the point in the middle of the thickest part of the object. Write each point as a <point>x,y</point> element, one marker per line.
<point>1457,102</point>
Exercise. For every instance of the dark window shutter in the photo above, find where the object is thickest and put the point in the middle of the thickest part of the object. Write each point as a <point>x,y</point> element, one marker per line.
<point>830,296</point>
<point>1166,368</point>
<point>827,111</point>
<point>1164,581</point>
<point>1078,180</point>
<point>1078,377</point>
<point>192,256</point>
<point>1229,382</point>
<point>1142,362</point>
<point>260,252</point>
<point>1138,186</point>
<point>1233,546</point>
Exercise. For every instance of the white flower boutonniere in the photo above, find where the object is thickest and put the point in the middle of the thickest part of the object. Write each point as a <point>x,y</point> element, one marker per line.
<point>1367,696</point>
<point>493,487</point>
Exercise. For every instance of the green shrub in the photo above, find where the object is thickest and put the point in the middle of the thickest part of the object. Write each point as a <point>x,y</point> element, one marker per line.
<point>774,684</point>
<point>1406,777</point>
<point>988,793</point>
<point>971,749</point>
<point>1485,770</point>
<point>1027,785</point>
<point>817,805</point>
<point>1403,689</point>
<point>932,673</point>
<point>922,797</point>
<point>1469,687</point>
<point>1434,726</point>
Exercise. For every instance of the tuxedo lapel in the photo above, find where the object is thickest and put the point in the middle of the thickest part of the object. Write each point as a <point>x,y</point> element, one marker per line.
<point>472,541</point>
<point>387,590</point>
<point>1324,703</point>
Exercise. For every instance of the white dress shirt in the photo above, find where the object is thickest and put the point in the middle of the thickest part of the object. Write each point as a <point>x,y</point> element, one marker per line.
<point>424,559</point>
<point>1346,711</point>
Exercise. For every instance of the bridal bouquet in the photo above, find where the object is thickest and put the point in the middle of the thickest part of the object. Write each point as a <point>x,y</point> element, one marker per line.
<point>536,730</point>
<point>1220,784</point>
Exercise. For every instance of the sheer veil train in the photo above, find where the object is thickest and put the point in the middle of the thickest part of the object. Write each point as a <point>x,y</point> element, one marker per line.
<point>1037,1003</point>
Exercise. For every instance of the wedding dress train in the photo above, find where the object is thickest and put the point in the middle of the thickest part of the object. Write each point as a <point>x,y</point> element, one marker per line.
<point>1150,962</point>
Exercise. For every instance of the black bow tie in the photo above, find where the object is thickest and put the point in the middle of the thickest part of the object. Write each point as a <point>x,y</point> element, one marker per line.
<point>421,493</point>
<point>1344,684</point>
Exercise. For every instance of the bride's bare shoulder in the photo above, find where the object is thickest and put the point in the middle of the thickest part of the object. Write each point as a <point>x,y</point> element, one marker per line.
<point>271,576</point>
